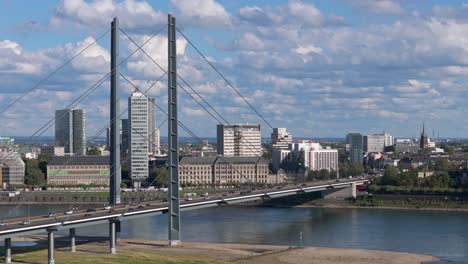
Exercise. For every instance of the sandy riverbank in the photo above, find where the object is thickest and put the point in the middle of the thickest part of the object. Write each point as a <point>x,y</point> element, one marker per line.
<point>345,205</point>
<point>144,251</point>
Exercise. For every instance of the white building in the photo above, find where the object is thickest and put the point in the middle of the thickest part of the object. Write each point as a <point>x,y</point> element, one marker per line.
<point>374,143</point>
<point>280,138</point>
<point>138,137</point>
<point>156,142</point>
<point>314,155</point>
<point>239,140</point>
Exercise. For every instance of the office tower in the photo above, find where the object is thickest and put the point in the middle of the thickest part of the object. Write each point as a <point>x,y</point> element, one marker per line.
<point>356,148</point>
<point>138,140</point>
<point>239,140</point>
<point>152,147</point>
<point>280,138</point>
<point>156,142</point>
<point>374,143</point>
<point>70,131</point>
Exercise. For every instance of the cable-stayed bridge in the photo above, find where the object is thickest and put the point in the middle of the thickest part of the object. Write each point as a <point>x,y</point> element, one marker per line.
<point>117,212</point>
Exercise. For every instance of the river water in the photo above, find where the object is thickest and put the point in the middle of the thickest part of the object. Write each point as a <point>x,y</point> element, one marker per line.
<point>440,234</point>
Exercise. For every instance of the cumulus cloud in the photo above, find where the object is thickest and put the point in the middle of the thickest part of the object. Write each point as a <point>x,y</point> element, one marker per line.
<point>379,6</point>
<point>133,14</point>
<point>205,13</point>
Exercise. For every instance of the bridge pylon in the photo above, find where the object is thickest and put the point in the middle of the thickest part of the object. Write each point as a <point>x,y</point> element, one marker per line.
<point>173,148</point>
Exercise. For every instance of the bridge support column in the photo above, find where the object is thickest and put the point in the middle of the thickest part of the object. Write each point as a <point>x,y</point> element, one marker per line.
<point>353,190</point>
<point>112,237</point>
<point>7,250</point>
<point>50,250</point>
<point>72,240</point>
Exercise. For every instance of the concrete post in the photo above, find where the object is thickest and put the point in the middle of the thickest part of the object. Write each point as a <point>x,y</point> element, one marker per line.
<point>112,239</point>
<point>353,190</point>
<point>7,250</point>
<point>72,240</point>
<point>50,251</point>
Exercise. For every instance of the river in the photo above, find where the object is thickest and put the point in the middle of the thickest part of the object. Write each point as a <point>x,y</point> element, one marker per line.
<point>440,234</point>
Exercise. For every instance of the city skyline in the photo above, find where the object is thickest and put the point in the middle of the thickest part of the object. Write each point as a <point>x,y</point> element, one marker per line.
<point>339,83</point>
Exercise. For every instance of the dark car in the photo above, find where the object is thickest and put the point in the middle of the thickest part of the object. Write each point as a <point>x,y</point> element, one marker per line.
<point>87,215</point>
<point>140,206</point>
<point>90,210</point>
<point>304,185</point>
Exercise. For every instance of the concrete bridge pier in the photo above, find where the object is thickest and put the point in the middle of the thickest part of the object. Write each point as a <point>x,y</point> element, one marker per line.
<point>72,240</point>
<point>353,190</point>
<point>112,237</point>
<point>7,250</point>
<point>50,249</point>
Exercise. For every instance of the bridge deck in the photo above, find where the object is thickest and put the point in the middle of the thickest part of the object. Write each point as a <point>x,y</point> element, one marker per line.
<point>14,227</point>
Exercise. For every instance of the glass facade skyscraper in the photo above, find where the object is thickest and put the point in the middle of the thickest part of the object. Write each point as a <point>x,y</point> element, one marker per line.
<point>70,131</point>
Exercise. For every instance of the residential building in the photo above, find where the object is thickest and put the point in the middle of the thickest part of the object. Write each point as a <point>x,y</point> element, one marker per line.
<point>223,170</point>
<point>241,140</point>
<point>13,169</point>
<point>280,138</point>
<point>70,131</point>
<point>78,170</point>
<point>355,148</point>
<point>138,137</point>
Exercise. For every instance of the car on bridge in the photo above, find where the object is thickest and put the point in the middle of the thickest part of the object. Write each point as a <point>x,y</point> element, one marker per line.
<point>69,212</point>
<point>52,214</point>
<point>26,222</point>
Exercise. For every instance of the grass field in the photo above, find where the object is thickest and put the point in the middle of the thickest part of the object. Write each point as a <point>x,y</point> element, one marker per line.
<point>122,257</point>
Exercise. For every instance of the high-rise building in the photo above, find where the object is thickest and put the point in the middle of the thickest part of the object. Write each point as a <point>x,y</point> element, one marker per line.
<point>138,140</point>
<point>152,147</point>
<point>355,148</point>
<point>70,131</point>
<point>125,138</point>
<point>280,138</point>
<point>156,142</point>
<point>239,140</point>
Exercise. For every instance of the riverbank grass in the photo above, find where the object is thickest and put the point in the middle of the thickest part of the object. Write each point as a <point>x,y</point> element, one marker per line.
<point>122,257</point>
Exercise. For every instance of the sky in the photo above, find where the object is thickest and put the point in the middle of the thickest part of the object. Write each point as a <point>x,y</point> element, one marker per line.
<point>319,68</point>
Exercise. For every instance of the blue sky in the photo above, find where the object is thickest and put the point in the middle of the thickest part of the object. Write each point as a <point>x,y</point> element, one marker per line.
<point>320,68</point>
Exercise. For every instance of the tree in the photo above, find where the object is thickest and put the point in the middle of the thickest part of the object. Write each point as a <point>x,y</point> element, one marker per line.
<point>344,169</point>
<point>442,165</point>
<point>159,177</point>
<point>355,170</point>
<point>390,176</point>
<point>324,174</point>
<point>34,175</point>
<point>94,152</point>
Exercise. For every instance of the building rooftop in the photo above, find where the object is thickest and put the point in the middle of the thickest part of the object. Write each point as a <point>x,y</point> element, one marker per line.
<point>198,160</point>
<point>79,160</point>
<point>221,160</point>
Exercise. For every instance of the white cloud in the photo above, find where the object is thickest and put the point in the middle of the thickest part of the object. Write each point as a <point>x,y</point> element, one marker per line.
<point>379,6</point>
<point>205,13</point>
<point>133,14</point>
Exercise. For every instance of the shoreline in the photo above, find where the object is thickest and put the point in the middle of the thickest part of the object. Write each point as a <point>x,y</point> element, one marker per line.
<point>95,250</point>
<point>346,206</point>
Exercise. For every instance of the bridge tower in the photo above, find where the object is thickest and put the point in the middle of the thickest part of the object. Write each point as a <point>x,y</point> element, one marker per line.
<point>115,175</point>
<point>173,148</point>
